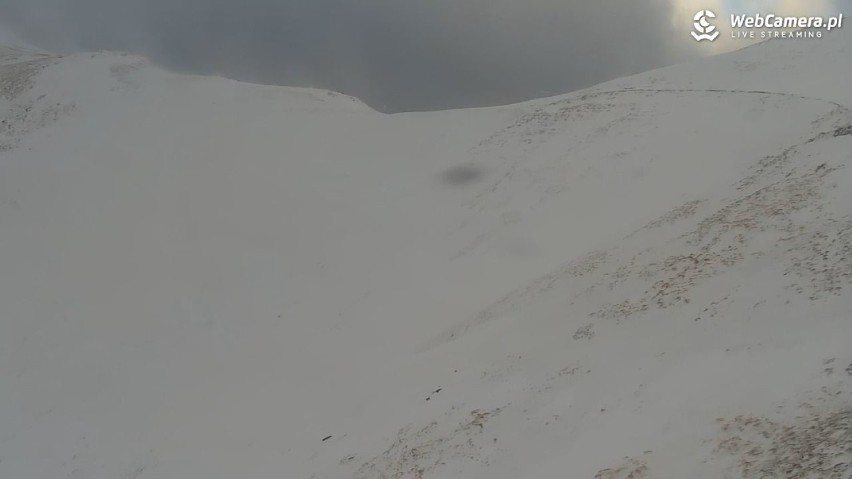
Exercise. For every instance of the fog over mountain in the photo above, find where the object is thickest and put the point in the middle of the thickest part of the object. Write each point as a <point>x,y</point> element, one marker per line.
<point>202,278</point>
<point>395,55</point>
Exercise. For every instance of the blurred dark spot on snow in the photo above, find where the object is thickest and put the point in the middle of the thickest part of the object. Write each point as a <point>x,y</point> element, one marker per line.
<point>462,174</point>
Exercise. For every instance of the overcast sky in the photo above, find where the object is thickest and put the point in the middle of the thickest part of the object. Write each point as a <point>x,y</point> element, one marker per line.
<point>396,55</point>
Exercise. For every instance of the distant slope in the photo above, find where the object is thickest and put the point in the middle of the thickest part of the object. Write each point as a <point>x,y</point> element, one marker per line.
<point>650,278</point>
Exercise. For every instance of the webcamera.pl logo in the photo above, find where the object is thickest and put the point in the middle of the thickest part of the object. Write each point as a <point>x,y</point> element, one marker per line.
<point>704,30</point>
<point>759,26</point>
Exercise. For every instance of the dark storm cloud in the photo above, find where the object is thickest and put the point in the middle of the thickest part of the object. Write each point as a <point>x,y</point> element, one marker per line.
<point>394,54</point>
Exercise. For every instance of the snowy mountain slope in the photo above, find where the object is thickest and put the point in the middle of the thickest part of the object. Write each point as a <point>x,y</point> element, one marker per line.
<point>648,278</point>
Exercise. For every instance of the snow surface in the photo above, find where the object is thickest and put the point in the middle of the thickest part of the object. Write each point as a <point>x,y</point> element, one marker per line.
<point>649,278</point>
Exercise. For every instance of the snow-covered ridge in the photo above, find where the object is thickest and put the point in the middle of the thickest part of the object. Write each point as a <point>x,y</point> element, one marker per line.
<point>206,278</point>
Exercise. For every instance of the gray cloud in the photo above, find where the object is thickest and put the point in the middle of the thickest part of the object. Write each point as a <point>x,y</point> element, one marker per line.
<point>394,54</point>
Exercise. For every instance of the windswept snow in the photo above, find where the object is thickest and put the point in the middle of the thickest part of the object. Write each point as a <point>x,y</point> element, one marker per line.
<point>650,278</point>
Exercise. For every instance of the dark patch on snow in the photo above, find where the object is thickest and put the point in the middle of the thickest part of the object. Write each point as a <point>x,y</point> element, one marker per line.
<point>463,174</point>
